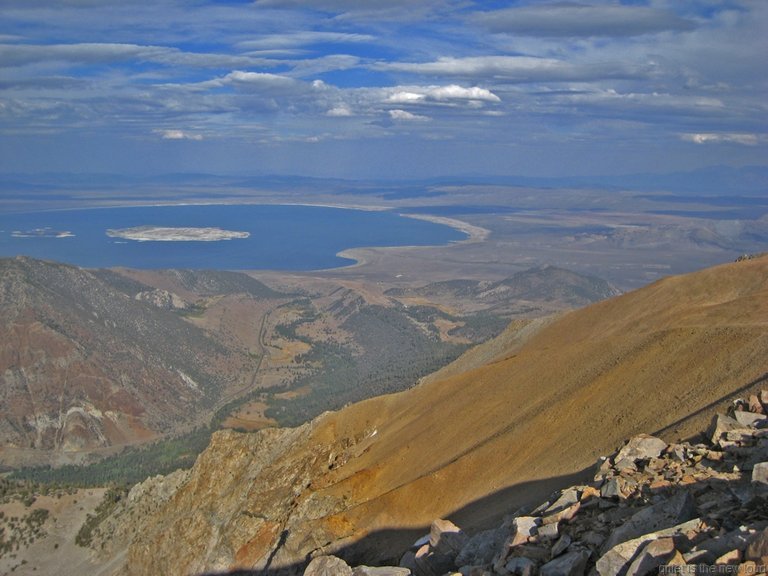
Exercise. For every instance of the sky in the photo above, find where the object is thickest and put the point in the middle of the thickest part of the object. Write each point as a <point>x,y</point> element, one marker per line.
<point>374,89</point>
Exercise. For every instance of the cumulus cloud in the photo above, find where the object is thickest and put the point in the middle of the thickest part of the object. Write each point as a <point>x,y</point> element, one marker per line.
<point>178,135</point>
<point>560,20</point>
<point>405,116</point>
<point>730,138</point>
<point>450,93</point>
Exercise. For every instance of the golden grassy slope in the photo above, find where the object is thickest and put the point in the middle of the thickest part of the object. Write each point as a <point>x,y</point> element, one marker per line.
<point>640,362</point>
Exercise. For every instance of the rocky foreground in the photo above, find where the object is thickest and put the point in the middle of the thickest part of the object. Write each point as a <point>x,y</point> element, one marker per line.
<point>652,508</point>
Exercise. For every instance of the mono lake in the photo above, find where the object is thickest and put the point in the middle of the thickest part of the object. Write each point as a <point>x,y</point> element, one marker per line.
<point>225,236</point>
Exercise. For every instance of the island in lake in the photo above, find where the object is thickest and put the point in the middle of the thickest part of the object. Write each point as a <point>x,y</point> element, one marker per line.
<point>173,234</point>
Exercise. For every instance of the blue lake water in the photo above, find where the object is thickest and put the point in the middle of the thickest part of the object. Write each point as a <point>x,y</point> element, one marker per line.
<point>281,237</point>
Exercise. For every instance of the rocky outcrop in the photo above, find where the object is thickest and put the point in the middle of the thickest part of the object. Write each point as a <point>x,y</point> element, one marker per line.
<point>650,505</point>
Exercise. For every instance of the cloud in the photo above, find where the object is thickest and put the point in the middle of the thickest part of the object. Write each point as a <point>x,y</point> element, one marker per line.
<point>340,111</point>
<point>178,135</point>
<point>732,138</point>
<point>405,116</point>
<point>568,20</point>
<point>448,94</point>
<point>303,38</point>
<point>518,69</point>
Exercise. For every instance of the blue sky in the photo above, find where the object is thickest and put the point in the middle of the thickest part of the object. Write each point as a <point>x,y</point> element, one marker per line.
<point>369,89</point>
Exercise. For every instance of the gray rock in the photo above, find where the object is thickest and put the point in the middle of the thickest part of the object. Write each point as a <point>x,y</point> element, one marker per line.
<point>719,426</point>
<point>430,563</point>
<point>642,447</point>
<point>708,551</point>
<point>380,571</point>
<point>521,566</point>
<point>571,564</point>
<point>764,400</point>
<point>482,547</point>
<point>328,566</point>
<point>446,538</point>
<point>666,513</point>
<point>549,531</point>
<point>616,561</point>
<point>523,527</point>
<point>757,550</point>
<point>651,556</point>
<point>408,560</point>
<point>748,419</point>
<point>755,405</point>
<point>760,474</point>
<point>568,497</point>
<point>561,545</point>
<point>611,488</point>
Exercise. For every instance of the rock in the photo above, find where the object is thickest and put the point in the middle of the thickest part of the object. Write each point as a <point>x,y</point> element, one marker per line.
<point>730,558</point>
<point>523,528</point>
<point>328,566</point>
<point>561,545</point>
<point>764,400</point>
<point>708,551</point>
<point>430,563</point>
<point>563,516</point>
<point>642,447</point>
<point>757,550</point>
<point>571,564</point>
<point>408,560</point>
<point>719,426</point>
<point>567,498</point>
<point>549,531</point>
<point>651,556</point>
<point>755,405</point>
<point>380,571</point>
<point>616,561</point>
<point>521,566</point>
<point>481,548</point>
<point>748,569</point>
<point>748,419</point>
<point>612,489</point>
<point>446,538</point>
<point>669,512</point>
<point>760,474</point>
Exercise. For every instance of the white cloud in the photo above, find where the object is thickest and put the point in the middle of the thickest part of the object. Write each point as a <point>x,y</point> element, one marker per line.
<point>730,138</point>
<point>339,111</point>
<point>303,38</point>
<point>450,93</point>
<point>178,135</point>
<point>405,116</point>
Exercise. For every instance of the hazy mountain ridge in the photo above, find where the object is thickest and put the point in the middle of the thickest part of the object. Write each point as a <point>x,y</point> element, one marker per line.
<point>473,445</point>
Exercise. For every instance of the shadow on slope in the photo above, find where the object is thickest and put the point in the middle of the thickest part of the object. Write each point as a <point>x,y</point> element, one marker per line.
<point>385,547</point>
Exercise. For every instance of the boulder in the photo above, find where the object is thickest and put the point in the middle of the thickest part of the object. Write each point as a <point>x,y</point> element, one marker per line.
<point>568,497</point>
<point>764,400</point>
<point>757,550</point>
<point>571,564</point>
<point>328,566</point>
<point>755,405</point>
<point>561,545</point>
<point>481,548</point>
<point>446,538</point>
<point>642,447</point>
<point>708,551</point>
<point>719,426</point>
<point>748,419</point>
<point>760,474</point>
<point>667,513</point>
<point>521,566</point>
<point>652,555</point>
<point>523,527</point>
<point>380,571</point>
<point>616,561</point>
<point>431,563</point>
<point>611,488</point>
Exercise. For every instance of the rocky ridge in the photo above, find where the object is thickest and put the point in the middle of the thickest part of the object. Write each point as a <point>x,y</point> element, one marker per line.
<point>652,508</point>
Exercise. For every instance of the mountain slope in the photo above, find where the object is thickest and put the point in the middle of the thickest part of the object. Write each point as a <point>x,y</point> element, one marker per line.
<point>475,445</point>
<point>83,365</point>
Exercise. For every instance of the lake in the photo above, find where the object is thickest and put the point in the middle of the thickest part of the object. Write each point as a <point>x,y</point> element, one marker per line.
<point>274,237</point>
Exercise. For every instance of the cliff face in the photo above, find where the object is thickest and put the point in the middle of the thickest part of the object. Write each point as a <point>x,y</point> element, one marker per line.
<point>472,446</point>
